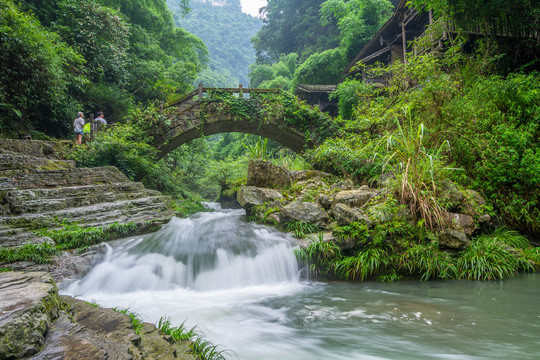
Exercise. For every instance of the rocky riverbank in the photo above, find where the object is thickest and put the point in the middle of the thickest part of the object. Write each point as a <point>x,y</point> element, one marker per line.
<point>353,231</point>
<point>276,195</point>
<point>41,192</point>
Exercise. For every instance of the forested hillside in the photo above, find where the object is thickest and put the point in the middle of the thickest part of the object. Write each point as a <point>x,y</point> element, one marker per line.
<point>311,42</point>
<point>226,32</point>
<point>60,57</point>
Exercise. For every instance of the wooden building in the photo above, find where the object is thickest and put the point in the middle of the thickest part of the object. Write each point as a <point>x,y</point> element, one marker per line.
<point>392,41</point>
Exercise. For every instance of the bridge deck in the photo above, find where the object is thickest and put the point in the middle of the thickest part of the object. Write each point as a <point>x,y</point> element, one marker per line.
<point>200,91</point>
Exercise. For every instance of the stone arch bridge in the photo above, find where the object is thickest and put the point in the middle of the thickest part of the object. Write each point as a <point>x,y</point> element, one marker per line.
<point>270,113</point>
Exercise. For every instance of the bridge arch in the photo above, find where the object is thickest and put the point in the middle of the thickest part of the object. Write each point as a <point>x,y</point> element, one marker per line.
<point>270,113</point>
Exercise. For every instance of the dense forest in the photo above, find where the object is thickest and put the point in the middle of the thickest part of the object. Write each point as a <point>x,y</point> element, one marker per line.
<point>226,31</point>
<point>464,115</point>
<point>59,57</point>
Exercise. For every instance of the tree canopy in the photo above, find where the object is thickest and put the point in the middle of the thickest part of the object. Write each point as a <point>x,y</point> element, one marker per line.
<point>64,56</point>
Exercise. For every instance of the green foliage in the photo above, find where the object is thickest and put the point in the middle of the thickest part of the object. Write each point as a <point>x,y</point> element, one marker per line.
<point>358,21</point>
<point>203,349</point>
<point>365,264</point>
<point>349,94</point>
<point>418,171</point>
<point>37,253</point>
<point>345,157</point>
<point>321,255</point>
<point>100,35</point>
<point>512,17</point>
<point>136,319</point>
<point>184,208</point>
<point>178,333</point>
<point>293,26</point>
<point>226,31</point>
<point>71,236</point>
<point>301,228</point>
<point>119,52</point>
<point>257,150</point>
<point>124,146</point>
<point>428,262</point>
<point>325,67</point>
<point>37,74</point>
<point>277,75</point>
<point>353,231</point>
<point>487,259</point>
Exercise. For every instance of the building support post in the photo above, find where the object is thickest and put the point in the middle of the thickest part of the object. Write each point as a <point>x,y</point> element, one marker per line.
<point>404,38</point>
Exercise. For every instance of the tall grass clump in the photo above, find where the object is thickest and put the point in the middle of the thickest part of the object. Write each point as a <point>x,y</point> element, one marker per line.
<point>496,256</point>
<point>365,264</point>
<point>428,262</point>
<point>417,169</point>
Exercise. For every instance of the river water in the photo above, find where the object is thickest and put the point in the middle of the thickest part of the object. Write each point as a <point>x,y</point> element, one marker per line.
<point>239,282</point>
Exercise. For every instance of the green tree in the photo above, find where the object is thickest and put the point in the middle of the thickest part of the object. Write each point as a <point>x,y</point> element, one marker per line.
<point>38,73</point>
<point>100,35</point>
<point>358,21</point>
<point>293,26</point>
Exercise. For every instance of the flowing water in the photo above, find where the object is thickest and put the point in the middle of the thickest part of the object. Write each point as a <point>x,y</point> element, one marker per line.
<point>239,282</point>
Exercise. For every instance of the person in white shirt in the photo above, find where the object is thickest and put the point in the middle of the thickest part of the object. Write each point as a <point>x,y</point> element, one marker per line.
<point>78,125</point>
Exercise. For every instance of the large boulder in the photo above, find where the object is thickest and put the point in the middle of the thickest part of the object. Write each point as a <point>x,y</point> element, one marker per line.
<point>355,198</point>
<point>453,239</point>
<point>345,215</point>
<point>461,222</point>
<point>250,196</point>
<point>309,212</point>
<point>29,302</point>
<point>264,174</point>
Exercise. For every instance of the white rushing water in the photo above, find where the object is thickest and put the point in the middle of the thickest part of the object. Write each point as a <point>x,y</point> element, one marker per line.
<point>239,283</point>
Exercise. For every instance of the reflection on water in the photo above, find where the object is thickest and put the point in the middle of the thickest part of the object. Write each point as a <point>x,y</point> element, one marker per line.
<point>239,283</point>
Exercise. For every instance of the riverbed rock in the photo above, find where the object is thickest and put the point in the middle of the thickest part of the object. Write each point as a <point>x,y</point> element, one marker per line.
<point>251,196</point>
<point>264,174</point>
<point>345,215</point>
<point>355,198</point>
<point>342,186</point>
<point>29,302</point>
<point>309,212</point>
<point>325,201</point>
<point>473,203</point>
<point>304,175</point>
<point>453,239</point>
<point>87,332</point>
<point>461,222</point>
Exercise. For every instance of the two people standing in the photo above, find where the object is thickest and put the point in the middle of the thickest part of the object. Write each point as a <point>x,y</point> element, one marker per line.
<point>79,125</point>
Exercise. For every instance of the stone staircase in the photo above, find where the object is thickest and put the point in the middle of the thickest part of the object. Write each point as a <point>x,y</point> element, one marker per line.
<point>41,191</point>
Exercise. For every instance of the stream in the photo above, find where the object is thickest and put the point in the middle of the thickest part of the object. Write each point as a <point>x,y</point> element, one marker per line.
<point>240,284</point>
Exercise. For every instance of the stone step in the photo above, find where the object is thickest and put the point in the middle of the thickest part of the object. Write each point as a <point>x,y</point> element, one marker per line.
<point>119,210</point>
<point>15,237</point>
<point>43,200</point>
<point>15,163</point>
<point>38,179</point>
